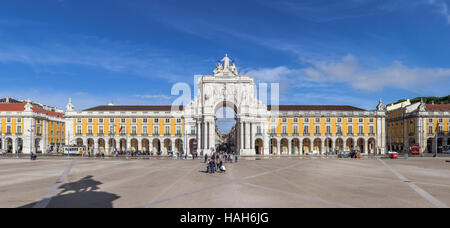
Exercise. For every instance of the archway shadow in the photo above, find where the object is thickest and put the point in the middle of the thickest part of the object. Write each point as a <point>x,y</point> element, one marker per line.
<point>80,194</point>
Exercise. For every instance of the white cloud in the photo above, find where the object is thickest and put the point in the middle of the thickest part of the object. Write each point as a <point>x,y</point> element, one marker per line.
<point>442,8</point>
<point>348,70</point>
<point>94,52</point>
<point>268,74</point>
<point>397,75</point>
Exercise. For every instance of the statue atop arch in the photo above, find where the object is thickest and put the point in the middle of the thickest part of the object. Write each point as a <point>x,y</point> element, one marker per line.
<point>225,67</point>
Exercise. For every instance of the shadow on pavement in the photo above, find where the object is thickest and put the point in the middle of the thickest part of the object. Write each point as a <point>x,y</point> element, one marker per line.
<point>80,194</point>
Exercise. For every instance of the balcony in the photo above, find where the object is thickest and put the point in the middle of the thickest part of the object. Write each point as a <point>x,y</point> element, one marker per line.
<point>155,134</point>
<point>258,134</point>
<point>178,134</point>
<point>284,134</point>
<point>339,133</point>
<point>77,134</point>
<point>317,134</point>
<point>411,134</point>
<point>306,134</point>
<point>144,134</point>
<point>8,133</point>
<point>360,134</point>
<point>100,134</point>
<point>123,134</point>
<point>350,134</point>
<point>273,134</point>
<point>166,134</point>
<point>89,134</point>
<point>295,134</point>
<point>133,134</point>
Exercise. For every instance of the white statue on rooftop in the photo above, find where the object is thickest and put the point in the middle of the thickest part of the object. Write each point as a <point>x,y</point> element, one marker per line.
<point>69,106</point>
<point>224,67</point>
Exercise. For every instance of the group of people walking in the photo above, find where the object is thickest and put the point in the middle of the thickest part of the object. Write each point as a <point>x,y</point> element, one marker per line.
<point>217,160</point>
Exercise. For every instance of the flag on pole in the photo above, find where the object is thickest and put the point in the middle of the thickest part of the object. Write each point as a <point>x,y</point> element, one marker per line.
<point>120,130</point>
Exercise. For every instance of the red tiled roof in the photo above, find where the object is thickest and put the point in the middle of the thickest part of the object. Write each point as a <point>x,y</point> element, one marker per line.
<point>12,106</point>
<point>50,113</point>
<point>21,107</point>
<point>316,108</point>
<point>437,107</point>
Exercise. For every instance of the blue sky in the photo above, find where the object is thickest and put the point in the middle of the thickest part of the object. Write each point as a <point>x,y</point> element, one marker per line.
<point>132,52</point>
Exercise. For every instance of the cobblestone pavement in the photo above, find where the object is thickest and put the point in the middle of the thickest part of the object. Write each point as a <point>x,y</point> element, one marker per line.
<point>78,182</point>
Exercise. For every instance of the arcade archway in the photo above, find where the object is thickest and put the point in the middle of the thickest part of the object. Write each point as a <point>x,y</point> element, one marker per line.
<point>259,147</point>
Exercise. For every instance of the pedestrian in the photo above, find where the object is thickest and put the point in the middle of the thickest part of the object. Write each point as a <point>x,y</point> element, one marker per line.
<point>206,158</point>
<point>211,166</point>
<point>235,158</point>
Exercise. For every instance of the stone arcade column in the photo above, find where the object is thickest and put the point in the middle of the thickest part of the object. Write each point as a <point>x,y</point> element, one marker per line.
<point>300,147</point>
<point>266,139</point>
<point>26,137</point>
<point>208,136</point>
<point>173,146</point>
<point>204,138</point>
<point>247,138</point>
<point>96,149</point>
<point>14,145</point>
<point>366,145</point>
<point>107,150</point>
<point>139,145</point>
<point>150,146</point>
<point>128,147</point>
<point>241,137</point>
<point>197,137</point>
<point>279,147</point>
<point>212,135</point>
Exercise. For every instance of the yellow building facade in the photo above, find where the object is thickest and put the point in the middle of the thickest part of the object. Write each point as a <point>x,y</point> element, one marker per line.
<point>426,125</point>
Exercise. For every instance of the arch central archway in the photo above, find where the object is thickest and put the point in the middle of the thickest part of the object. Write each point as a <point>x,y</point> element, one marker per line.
<point>226,127</point>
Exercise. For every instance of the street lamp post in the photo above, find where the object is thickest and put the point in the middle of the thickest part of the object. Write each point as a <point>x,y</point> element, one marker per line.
<point>68,142</point>
<point>436,141</point>
<point>185,141</point>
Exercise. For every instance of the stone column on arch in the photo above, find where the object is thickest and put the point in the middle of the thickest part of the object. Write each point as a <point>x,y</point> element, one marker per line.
<point>204,137</point>
<point>241,137</point>
<point>247,136</point>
